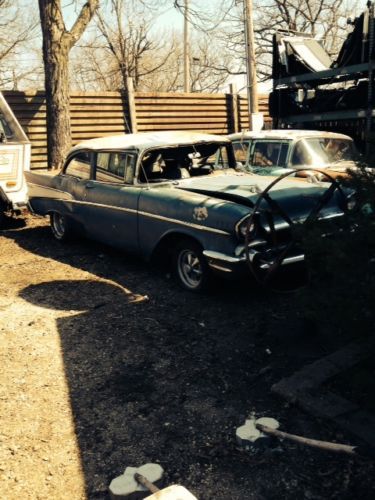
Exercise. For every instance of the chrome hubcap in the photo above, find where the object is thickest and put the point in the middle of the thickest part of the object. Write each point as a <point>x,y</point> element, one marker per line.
<point>190,268</point>
<point>59,225</point>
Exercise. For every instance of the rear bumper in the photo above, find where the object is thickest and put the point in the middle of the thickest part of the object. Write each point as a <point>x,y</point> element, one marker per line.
<point>14,200</point>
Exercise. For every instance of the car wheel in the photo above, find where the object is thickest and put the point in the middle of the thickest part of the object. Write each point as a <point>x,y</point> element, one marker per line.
<point>191,268</point>
<point>60,226</point>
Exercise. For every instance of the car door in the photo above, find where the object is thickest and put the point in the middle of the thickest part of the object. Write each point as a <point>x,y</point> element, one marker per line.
<point>112,199</point>
<point>72,182</point>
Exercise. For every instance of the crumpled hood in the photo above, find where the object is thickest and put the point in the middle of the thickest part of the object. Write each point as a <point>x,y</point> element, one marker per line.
<point>296,197</point>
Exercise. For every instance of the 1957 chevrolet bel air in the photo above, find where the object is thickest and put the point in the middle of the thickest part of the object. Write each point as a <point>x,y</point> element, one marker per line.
<point>178,196</point>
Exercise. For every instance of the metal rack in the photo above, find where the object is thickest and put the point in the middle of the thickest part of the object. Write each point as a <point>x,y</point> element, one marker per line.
<point>358,122</point>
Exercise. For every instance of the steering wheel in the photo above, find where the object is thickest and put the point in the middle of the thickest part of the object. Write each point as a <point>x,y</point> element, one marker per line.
<point>265,264</point>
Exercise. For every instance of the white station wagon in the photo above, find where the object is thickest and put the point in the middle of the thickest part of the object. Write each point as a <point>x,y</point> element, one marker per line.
<point>14,160</point>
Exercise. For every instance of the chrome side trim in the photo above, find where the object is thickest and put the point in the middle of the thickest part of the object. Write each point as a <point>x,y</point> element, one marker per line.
<point>188,224</point>
<point>150,215</point>
<point>50,189</point>
<point>103,205</point>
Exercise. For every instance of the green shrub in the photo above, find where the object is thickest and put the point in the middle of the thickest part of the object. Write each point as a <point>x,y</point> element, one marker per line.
<point>340,258</point>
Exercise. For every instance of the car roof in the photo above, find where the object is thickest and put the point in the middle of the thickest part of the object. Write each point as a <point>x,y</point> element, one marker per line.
<point>147,140</point>
<point>286,134</point>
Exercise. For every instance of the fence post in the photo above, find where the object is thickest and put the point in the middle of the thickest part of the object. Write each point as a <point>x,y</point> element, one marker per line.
<point>233,109</point>
<point>131,103</point>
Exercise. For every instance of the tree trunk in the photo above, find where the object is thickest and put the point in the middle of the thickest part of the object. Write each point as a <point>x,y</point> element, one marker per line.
<point>56,71</point>
<point>57,100</point>
<point>57,42</point>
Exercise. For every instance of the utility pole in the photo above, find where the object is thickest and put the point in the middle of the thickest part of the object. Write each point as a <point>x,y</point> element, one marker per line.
<point>255,119</point>
<point>186,48</point>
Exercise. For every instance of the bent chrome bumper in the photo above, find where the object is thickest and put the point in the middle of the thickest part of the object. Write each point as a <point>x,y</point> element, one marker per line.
<point>229,264</point>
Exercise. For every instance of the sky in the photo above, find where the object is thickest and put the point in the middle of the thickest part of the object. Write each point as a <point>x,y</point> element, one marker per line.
<point>168,18</point>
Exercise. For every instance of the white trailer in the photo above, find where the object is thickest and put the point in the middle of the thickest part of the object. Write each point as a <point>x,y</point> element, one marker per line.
<point>14,160</point>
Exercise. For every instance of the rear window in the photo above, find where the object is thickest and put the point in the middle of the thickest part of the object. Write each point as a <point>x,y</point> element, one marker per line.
<point>79,166</point>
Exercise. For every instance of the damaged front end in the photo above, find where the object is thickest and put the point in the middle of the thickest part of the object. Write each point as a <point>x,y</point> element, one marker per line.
<point>272,232</point>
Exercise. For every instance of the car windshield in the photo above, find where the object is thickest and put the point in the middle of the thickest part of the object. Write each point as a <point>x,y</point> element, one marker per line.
<point>323,151</point>
<point>181,162</point>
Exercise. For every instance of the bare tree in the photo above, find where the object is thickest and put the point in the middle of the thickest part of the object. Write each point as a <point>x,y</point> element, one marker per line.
<point>123,43</point>
<point>57,43</point>
<point>129,43</point>
<point>18,30</point>
<point>127,38</point>
<point>325,19</point>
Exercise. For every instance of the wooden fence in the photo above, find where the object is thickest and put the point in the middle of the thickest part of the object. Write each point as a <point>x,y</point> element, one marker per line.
<point>99,114</point>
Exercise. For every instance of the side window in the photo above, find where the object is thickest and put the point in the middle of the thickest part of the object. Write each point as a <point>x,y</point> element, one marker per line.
<point>241,151</point>
<point>267,154</point>
<point>79,166</point>
<point>102,167</point>
<point>130,168</point>
<point>115,167</point>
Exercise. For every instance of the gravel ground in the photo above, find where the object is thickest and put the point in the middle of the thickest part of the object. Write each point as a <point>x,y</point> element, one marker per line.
<point>106,363</point>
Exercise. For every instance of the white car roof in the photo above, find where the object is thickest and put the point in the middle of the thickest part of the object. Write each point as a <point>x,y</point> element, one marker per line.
<point>286,134</point>
<point>147,140</point>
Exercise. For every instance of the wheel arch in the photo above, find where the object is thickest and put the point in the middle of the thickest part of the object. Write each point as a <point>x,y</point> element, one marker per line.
<point>75,226</point>
<point>164,249</point>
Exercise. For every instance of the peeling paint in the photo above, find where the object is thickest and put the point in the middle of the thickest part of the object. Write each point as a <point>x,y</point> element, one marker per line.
<point>200,213</point>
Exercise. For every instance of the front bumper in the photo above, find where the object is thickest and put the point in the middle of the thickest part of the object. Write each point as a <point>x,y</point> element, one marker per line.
<point>235,264</point>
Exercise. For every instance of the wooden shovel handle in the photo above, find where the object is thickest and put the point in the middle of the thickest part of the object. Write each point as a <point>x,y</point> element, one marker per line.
<point>146,483</point>
<point>314,443</point>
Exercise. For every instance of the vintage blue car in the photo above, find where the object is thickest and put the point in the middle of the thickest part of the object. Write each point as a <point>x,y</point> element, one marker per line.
<point>177,196</point>
<point>274,152</point>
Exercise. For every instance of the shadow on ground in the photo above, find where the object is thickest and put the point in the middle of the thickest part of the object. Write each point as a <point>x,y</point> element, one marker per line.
<point>159,375</point>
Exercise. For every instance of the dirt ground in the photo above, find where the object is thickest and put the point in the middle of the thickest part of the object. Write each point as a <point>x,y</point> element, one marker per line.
<point>106,363</point>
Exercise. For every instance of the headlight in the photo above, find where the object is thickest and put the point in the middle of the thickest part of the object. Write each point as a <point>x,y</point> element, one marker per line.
<point>351,202</point>
<point>243,228</point>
